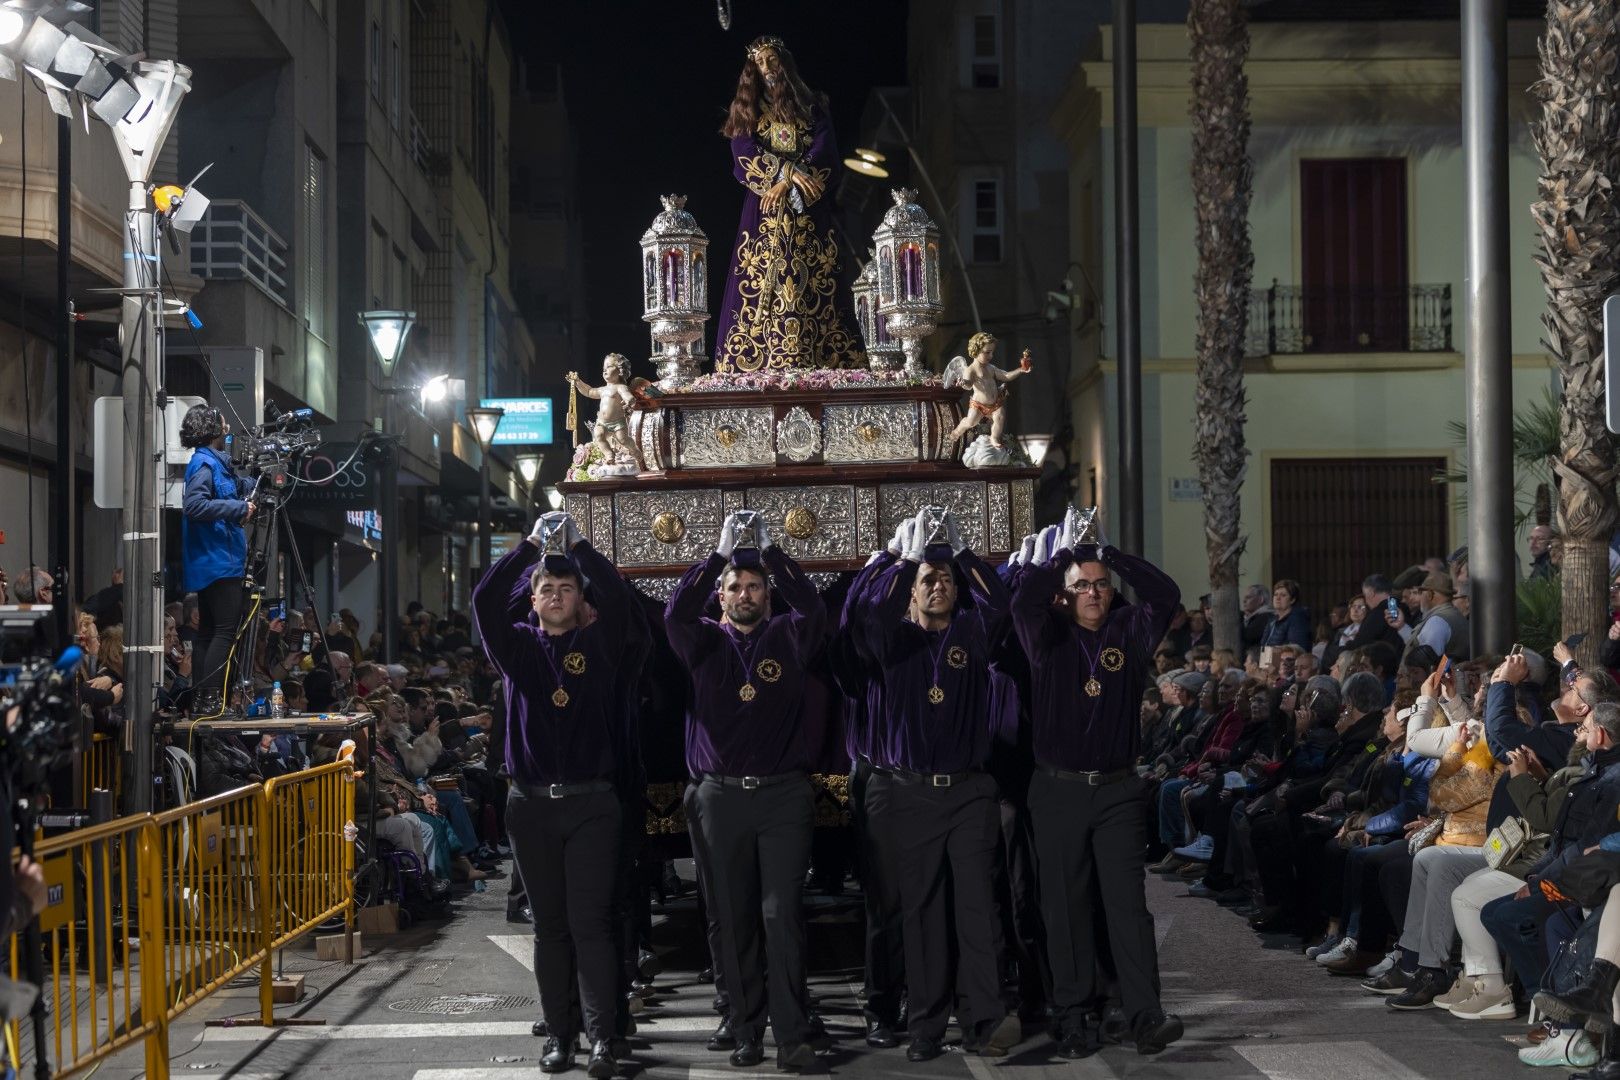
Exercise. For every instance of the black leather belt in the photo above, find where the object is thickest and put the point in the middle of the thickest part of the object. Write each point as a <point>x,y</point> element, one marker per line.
<point>939,780</point>
<point>753,783</point>
<point>1095,779</point>
<point>562,791</point>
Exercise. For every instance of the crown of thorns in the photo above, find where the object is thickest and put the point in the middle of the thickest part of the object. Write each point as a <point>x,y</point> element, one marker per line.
<point>764,41</point>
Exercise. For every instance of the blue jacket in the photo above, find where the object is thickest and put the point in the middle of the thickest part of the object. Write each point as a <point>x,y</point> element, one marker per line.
<point>1410,794</point>
<point>213,542</point>
<point>1292,629</point>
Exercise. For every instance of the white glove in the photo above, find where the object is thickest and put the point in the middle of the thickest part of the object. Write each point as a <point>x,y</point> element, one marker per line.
<point>1046,545</point>
<point>538,533</point>
<point>1025,554</point>
<point>916,541</point>
<point>1096,531</point>
<point>546,525</point>
<point>762,534</point>
<point>902,537</point>
<point>1070,530</point>
<point>953,535</point>
<point>730,532</point>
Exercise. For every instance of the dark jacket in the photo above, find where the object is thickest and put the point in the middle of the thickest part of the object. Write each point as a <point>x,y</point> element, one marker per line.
<point>1505,732</point>
<point>1292,629</point>
<point>213,541</point>
<point>1397,792</point>
<point>1587,816</point>
<point>1348,760</point>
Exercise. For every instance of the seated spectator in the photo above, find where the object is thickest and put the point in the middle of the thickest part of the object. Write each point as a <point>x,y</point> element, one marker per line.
<point>1290,623</point>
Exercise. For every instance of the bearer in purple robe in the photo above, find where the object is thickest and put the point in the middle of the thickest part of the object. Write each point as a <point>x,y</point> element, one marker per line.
<point>1090,659</point>
<point>783,308</point>
<point>752,812</point>
<point>929,795</point>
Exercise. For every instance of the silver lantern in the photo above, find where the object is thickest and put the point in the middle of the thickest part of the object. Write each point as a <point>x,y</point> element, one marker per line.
<point>908,276</point>
<point>882,350</point>
<point>675,291</point>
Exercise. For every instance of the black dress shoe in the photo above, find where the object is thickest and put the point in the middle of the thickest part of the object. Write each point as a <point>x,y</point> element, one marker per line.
<point>1155,1030</point>
<point>539,1029</point>
<point>521,915</point>
<point>558,1056</point>
<point>1427,985</point>
<point>749,1053</point>
<point>603,1064</point>
<point>620,1048</point>
<point>1607,1069</point>
<point>648,965</point>
<point>795,1056</point>
<point>1078,1044</point>
<point>723,1039</point>
<point>1271,921</point>
<point>1393,981</point>
<point>923,1049</point>
<point>706,975</point>
<point>880,1035</point>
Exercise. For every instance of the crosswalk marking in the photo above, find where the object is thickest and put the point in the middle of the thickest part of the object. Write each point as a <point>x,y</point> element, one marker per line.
<point>519,946</point>
<point>1325,1061</point>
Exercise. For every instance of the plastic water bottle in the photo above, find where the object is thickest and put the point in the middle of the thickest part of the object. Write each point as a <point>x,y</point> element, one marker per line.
<point>278,703</point>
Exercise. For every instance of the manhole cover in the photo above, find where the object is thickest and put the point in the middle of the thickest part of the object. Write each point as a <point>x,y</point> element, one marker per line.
<point>462,1004</point>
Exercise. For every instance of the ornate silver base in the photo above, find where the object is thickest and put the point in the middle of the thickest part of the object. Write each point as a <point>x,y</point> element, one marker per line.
<point>677,369</point>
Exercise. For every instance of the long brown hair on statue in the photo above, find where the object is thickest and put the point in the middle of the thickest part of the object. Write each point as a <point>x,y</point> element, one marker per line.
<point>792,100</point>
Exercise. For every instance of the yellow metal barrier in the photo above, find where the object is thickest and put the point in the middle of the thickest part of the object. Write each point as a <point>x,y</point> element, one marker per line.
<point>306,860</point>
<point>147,916</point>
<point>101,927</point>
<point>103,768</point>
<point>213,894</point>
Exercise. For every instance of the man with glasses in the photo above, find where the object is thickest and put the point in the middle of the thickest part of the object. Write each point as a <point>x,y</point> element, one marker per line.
<point>34,586</point>
<point>1090,656</point>
<point>1442,628</point>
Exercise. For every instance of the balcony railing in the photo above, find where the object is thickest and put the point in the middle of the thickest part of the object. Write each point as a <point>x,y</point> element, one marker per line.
<point>1292,319</point>
<point>231,242</point>
<point>421,145</point>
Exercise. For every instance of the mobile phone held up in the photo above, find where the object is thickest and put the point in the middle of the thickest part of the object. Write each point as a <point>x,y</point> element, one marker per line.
<point>1392,609</point>
<point>1574,639</point>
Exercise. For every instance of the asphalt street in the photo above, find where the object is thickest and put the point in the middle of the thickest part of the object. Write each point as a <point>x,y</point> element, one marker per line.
<point>1253,1009</point>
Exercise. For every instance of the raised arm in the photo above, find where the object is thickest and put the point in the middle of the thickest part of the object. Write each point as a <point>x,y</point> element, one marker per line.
<point>807,612</point>
<point>683,615</point>
<point>1034,618</point>
<point>1504,731</point>
<point>613,597</point>
<point>991,599</point>
<point>1157,596</point>
<point>500,633</point>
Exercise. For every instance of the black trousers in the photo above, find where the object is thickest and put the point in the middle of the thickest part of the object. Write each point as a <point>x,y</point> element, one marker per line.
<point>880,886</point>
<point>568,853</point>
<point>219,608</point>
<point>708,911</point>
<point>1086,833</point>
<point>1018,895</point>
<point>756,849</point>
<point>630,905</point>
<point>946,856</point>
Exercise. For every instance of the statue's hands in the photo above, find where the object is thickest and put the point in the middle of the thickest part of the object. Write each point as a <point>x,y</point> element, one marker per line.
<point>810,185</point>
<point>773,198</point>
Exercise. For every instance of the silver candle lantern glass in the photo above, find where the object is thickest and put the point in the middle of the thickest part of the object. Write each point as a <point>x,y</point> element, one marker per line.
<point>675,291</point>
<point>908,303</point>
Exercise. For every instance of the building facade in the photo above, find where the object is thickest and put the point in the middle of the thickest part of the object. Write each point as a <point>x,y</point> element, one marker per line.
<point>1355,367</point>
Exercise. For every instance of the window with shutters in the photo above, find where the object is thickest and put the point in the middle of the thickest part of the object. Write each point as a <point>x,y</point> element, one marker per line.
<point>982,218</point>
<point>314,195</point>
<point>1336,520</point>
<point>984,67</point>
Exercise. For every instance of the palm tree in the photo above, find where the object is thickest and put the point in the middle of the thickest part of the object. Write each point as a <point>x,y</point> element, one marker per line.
<point>1221,184</point>
<point>1578,137</point>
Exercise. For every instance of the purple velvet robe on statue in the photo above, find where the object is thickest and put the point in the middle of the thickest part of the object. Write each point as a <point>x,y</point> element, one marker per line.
<point>783,308</point>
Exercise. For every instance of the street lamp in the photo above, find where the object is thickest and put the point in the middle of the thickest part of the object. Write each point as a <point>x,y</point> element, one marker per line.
<point>388,331</point>
<point>1035,447</point>
<point>529,468</point>
<point>555,498</point>
<point>485,421</point>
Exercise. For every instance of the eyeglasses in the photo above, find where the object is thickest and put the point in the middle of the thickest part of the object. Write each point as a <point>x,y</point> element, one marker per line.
<point>1084,585</point>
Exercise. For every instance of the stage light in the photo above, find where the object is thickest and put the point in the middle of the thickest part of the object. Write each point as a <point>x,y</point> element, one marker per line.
<point>866,167</point>
<point>436,390</point>
<point>11,26</point>
<point>874,156</point>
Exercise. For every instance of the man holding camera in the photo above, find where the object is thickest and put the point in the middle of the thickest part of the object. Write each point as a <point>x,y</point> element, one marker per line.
<point>751,807</point>
<point>563,747</point>
<point>214,546</point>
<point>933,809</point>
<point>1090,657</point>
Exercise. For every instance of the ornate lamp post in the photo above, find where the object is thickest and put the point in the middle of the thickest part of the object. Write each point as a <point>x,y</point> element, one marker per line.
<point>388,331</point>
<point>484,422</point>
<point>675,291</point>
<point>908,301</point>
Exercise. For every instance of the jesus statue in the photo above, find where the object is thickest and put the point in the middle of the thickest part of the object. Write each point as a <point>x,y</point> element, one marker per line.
<point>781,309</point>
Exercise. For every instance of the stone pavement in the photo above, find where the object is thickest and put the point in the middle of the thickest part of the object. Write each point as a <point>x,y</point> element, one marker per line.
<point>1251,1012</point>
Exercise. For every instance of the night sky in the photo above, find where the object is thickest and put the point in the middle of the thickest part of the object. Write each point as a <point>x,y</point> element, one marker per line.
<point>647,83</point>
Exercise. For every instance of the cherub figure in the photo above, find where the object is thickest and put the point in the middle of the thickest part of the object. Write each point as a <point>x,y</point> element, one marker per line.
<point>611,432</point>
<point>986,381</point>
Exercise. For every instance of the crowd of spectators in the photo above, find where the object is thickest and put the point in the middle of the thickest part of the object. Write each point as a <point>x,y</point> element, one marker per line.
<point>1439,829</point>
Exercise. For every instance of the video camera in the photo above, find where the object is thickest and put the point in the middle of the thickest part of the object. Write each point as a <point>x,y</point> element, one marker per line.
<point>44,737</point>
<point>266,453</point>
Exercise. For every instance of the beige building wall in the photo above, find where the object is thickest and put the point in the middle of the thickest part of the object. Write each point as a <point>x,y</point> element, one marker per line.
<point>1317,90</point>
